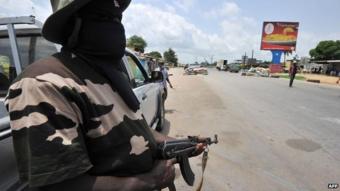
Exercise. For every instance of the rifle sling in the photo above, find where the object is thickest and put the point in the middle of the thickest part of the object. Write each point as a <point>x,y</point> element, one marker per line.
<point>204,164</point>
<point>172,187</point>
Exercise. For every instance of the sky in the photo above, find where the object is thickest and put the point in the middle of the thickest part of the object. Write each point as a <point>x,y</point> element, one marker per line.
<point>212,30</point>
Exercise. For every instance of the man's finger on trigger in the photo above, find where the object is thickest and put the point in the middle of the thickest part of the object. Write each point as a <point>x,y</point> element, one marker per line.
<point>200,146</point>
<point>173,161</point>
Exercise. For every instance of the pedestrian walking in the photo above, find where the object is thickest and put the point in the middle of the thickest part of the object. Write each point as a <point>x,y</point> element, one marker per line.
<point>292,73</point>
<point>165,79</point>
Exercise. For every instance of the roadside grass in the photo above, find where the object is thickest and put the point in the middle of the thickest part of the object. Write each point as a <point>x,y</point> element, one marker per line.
<point>297,77</point>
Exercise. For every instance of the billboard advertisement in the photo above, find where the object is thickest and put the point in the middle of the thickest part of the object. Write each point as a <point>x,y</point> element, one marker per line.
<point>279,36</point>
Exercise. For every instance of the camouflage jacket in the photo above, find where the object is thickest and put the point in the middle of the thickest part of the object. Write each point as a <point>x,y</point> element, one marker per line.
<point>66,120</point>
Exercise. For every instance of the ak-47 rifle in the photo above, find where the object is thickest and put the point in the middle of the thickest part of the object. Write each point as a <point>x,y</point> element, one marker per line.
<point>182,149</point>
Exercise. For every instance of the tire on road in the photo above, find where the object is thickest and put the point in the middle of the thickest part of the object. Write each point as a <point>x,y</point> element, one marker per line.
<point>161,115</point>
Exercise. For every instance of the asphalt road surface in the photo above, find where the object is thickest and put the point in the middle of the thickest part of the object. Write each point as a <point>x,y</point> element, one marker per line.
<point>272,137</point>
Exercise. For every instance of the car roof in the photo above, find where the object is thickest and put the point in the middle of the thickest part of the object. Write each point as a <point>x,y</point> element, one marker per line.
<point>22,32</point>
<point>29,32</point>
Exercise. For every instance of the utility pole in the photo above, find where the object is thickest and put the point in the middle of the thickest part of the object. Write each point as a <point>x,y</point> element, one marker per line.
<point>211,59</point>
<point>252,58</point>
<point>244,58</point>
<point>33,12</point>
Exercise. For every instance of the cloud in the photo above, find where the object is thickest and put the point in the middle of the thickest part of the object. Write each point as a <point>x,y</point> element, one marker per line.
<point>184,5</point>
<point>229,8</point>
<point>308,40</point>
<point>226,10</point>
<point>163,29</point>
<point>170,8</point>
<point>10,8</point>
<point>235,34</point>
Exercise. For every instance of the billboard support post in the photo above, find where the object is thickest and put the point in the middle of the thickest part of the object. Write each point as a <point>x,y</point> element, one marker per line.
<point>276,67</point>
<point>276,56</point>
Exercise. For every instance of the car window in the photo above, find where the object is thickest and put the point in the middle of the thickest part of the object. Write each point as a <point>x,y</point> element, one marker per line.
<point>6,73</point>
<point>30,49</point>
<point>34,48</point>
<point>145,65</point>
<point>137,78</point>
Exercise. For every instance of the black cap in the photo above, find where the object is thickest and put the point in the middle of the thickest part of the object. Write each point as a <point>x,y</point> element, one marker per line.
<point>59,26</point>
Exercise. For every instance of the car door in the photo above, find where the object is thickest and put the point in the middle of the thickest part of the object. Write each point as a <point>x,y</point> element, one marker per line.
<point>31,47</point>
<point>146,92</point>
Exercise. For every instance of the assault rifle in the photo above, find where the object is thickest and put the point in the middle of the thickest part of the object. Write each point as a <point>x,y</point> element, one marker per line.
<point>182,149</point>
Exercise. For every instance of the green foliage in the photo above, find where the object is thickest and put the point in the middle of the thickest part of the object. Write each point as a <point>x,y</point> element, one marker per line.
<point>155,55</point>
<point>326,50</point>
<point>297,77</point>
<point>137,43</point>
<point>170,56</point>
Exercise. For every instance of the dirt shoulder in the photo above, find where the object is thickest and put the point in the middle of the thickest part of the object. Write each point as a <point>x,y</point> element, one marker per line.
<point>323,78</point>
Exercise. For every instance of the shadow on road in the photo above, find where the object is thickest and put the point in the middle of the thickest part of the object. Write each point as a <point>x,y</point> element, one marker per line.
<point>170,111</point>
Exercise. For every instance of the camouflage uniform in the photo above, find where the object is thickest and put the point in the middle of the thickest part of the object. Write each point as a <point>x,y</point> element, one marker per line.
<point>67,120</point>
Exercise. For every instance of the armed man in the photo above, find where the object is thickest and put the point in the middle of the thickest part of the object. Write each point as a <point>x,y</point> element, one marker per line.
<point>76,123</point>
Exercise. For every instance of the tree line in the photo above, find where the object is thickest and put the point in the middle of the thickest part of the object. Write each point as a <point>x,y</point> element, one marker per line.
<point>137,43</point>
<point>326,50</point>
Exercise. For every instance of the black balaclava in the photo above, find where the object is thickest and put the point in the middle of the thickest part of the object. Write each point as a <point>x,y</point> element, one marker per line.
<point>99,39</point>
<point>102,33</point>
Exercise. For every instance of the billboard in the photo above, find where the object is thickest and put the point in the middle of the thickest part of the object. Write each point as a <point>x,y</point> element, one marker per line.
<point>279,36</point>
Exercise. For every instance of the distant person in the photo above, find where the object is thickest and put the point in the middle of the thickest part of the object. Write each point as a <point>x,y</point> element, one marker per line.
<point>149,61</point>
<point>186,66</point>
<point>292,73</point>
<point>165,79</point>
<point>152,64</point>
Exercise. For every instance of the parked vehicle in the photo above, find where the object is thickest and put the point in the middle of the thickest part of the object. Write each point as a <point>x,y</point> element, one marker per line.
<point>258,71</point>
<point>21,47</point>
<point>234,67</point>
<point>149,90</point>
<point>193,70</point>
<point>222,65</point>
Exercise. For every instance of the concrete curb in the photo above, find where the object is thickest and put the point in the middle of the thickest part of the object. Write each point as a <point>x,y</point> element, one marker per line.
<point>313,81</point>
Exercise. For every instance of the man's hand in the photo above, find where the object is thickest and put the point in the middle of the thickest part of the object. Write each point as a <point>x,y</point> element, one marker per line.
<point>200,147</point>
<point>171,86</point>
<point>163,174</point>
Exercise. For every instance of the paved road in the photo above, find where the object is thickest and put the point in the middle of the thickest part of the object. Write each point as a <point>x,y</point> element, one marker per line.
<point>272,137</point>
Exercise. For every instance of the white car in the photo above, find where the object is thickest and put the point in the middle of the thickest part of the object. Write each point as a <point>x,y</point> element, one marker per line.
<point>193,70</point>
<point>148,89</point>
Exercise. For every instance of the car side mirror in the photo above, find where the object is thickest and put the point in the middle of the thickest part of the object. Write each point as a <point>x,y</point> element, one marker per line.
<point>156,76</point>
